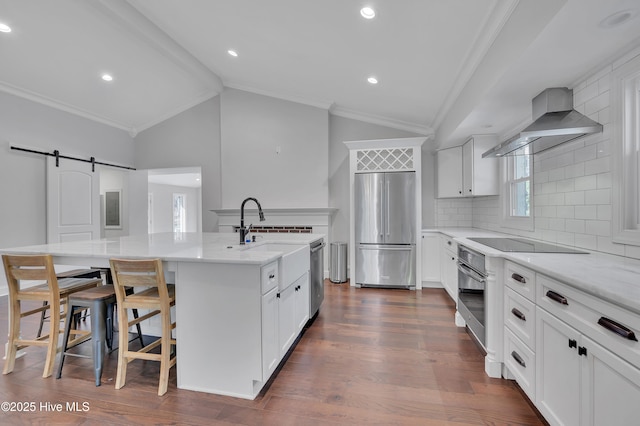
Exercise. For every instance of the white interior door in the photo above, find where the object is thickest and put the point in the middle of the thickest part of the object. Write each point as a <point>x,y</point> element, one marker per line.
<point>73,201</point>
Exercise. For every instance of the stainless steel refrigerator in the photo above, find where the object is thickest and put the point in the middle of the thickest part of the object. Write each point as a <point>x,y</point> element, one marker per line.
<point>385,229</point>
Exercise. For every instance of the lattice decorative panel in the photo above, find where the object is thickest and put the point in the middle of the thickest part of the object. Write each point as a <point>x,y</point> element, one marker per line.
<point>385,159</point>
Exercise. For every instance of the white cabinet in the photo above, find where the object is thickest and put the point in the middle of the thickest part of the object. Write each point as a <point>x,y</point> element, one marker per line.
<point>519,326</point>
<point>430,257</point>
<point>269,278</point>
<point>449,266</point>
<point>301,288</point>
<point>449,163</point>
<point>587,369</point>
<point>293,311</point>
<point>270,347</point>
<point>611,389</point>
<point>462,172</point>
<point>286,318</point>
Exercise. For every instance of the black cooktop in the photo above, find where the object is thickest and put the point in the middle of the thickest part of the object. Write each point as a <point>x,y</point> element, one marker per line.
<point>522,245</point>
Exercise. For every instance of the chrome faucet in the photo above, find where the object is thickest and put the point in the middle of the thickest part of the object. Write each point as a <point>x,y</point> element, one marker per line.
<point>245,231</point>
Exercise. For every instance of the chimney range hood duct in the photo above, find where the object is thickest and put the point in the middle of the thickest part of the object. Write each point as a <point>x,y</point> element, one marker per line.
<point>555,122</point>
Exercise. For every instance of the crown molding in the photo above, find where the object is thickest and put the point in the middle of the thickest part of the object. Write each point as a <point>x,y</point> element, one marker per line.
<point>44,100</point>
<point>382,121</point>
<point>318,103</point>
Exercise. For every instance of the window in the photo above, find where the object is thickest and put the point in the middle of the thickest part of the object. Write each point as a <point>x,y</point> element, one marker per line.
<point>626,140</point>
<point>179,213</point>
<point>517,194</point>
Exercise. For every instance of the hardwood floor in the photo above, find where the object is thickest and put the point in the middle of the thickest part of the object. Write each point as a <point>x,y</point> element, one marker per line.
<point>372,356</point>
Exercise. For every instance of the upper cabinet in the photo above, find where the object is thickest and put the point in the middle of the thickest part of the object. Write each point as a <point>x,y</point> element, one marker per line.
<point>462,172</point>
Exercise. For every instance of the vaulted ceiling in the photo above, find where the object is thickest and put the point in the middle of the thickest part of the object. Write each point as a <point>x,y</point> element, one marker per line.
<point>446,68</point>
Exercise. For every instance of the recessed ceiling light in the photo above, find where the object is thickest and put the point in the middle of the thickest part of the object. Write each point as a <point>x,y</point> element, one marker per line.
<point>372,80</point>
<point>232,53</point>
<point>617,18</point>
<point>107,77</point>
<point>367,12</point>
<point>4,28</point>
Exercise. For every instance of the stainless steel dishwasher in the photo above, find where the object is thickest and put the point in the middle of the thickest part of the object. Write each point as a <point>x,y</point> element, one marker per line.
<point>316,277</point>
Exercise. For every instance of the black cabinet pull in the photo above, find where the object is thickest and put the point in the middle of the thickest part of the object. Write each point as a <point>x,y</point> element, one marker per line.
<point>518,359</point>
<point>556,297</point>
<point>449,242</point>
<point>519,278</point>
<point>582,350</point>
<point>573,343</point>
<point>271,276</point>
<point>278,295</point>
<point>518,314</point>
<point>617,328</point>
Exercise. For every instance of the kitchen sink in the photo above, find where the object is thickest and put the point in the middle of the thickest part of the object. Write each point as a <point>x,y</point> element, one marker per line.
<point>293,263</point>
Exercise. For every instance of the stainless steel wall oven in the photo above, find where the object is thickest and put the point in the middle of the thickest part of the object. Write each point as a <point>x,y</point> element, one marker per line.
<point>472,279</point>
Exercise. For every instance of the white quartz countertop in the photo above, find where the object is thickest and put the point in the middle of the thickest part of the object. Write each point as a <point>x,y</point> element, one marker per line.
<point>190,246</point>
<point>615,279</point>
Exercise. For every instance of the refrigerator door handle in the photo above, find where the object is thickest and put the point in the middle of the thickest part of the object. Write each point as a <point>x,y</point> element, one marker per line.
<point>378,248</point>
<point>386,196</point>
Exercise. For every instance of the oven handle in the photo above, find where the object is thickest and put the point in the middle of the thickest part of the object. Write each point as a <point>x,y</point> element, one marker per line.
<point>470,272</point>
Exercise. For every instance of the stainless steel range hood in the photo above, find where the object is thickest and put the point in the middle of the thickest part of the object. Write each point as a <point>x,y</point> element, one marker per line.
<point>555,122</point>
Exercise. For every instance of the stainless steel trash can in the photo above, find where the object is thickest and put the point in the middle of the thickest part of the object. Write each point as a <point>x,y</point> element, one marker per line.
<point>338,262</point>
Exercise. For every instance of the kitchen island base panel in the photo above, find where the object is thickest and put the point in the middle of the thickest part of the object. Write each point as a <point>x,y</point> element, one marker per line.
<point>223,354</point>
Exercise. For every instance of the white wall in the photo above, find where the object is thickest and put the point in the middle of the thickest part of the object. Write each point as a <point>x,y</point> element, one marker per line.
<point>254,128</point>
<point>191,138</point>
<point>29,124</point>
<point>22,175</point>
<point>162,214</point>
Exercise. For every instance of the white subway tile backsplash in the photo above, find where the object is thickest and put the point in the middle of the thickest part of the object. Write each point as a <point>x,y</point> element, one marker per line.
<point>586,212</point>
<point>605,244</point>
<point>588,92</point>
<point>604,212</point>
<point>604,116</point>
<point>567,212</point>
<point>589,242</point>
<point>584,183</point>
<point>557,199</point>
<point>574,170</point>
<point>540,177</point>
<point>574,198</point>
<point>586,153</point>
<point>604,148</point>
<point>598,103</point>
<point>556,224</point>
<point>575,226</point>
<point>599,165</point>
<point>601,228</point>
<point>598,196</point>
<point>556,174</point>
<point>603,180</point>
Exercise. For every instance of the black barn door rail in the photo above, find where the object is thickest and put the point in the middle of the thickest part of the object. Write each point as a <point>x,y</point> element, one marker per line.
<point>58,156</point>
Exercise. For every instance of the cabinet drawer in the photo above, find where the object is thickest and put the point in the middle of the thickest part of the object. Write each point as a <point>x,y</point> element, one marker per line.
<point>269,276</point>
<point>521,362</point>
<point>520,317</point>
<point>615,328</point>
<point>521,279</point>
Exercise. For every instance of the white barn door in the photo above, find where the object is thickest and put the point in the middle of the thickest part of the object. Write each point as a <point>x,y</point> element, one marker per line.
<point>73,201</point>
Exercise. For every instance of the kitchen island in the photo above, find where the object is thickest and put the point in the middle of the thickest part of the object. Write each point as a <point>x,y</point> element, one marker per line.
<point>233,326</point>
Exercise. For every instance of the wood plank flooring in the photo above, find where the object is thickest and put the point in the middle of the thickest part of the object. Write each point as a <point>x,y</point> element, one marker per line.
<point>372,356</point>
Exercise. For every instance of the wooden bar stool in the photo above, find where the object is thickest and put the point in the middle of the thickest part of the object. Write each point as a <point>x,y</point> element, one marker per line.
<point>158,297</point>
<point>100,301</point>
<point>53,291</point>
